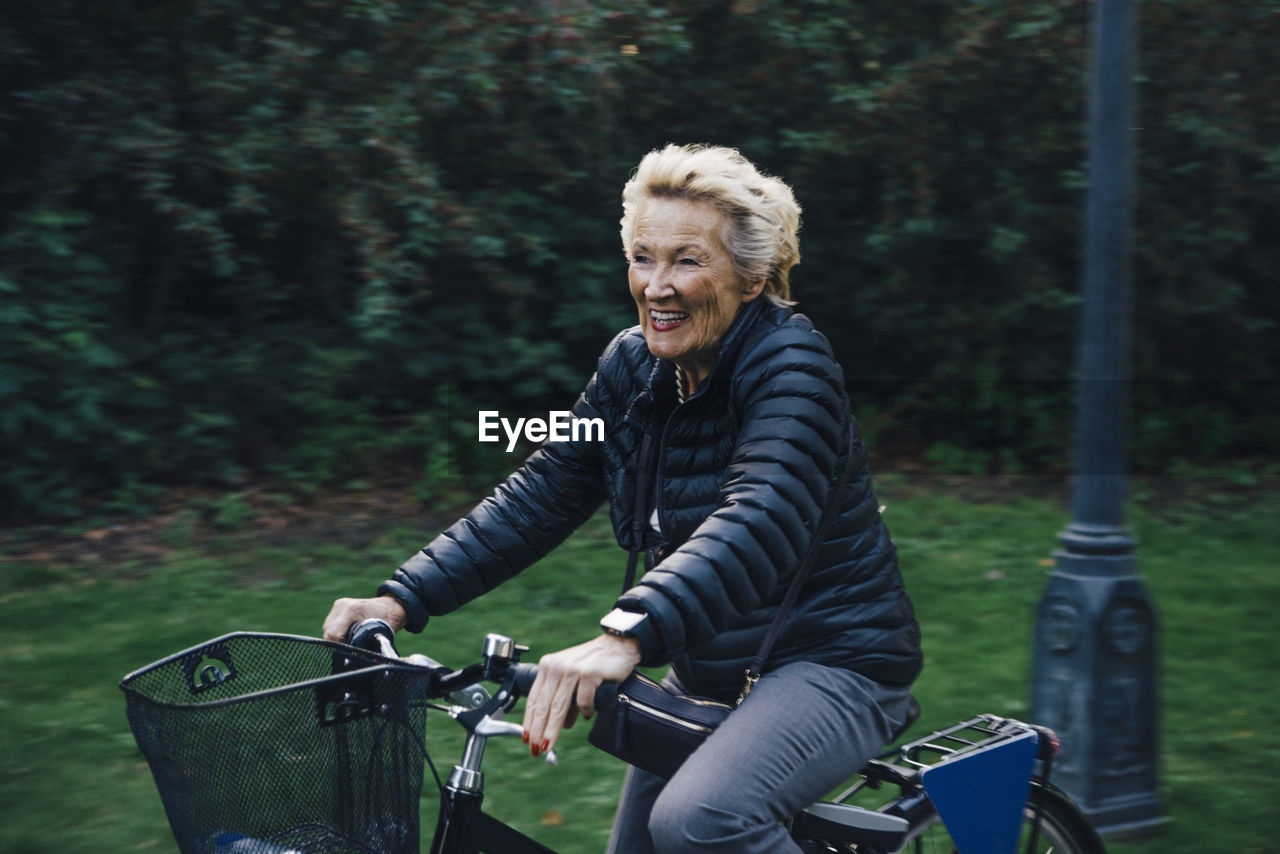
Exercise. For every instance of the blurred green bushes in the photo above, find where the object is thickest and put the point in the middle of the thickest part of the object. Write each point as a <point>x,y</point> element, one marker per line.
<point>294,237</point>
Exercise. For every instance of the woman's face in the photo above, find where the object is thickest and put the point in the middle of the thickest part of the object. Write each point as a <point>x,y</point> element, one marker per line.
<point>684,284</point>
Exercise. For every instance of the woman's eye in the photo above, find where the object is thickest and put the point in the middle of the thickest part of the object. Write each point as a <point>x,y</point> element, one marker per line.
<point>640,259</point>
<point>689,262</point>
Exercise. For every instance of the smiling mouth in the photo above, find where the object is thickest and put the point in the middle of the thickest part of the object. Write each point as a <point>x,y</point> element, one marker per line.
<point>661,321</point>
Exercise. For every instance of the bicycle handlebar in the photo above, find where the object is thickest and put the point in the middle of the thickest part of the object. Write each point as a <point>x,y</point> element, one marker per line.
<point>373,635</point>
<point>377,636</point>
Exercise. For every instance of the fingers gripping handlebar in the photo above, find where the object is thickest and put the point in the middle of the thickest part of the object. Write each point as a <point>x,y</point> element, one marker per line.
<point>605,698</point>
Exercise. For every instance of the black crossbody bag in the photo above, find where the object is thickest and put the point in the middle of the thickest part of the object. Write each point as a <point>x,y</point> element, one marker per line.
<point>655,729</point>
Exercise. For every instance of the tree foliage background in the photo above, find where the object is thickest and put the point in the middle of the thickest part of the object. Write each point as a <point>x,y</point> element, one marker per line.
<point>302,238</point>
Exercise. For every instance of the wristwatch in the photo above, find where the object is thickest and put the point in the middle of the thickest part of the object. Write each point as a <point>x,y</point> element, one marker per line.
<point>624,624</point>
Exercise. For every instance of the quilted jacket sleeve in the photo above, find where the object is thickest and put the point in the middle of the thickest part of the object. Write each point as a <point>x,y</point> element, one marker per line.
<point>788,390</point>
<point>557,488</point>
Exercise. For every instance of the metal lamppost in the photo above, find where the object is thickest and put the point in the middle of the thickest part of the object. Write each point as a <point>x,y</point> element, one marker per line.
<point>1094,666</point>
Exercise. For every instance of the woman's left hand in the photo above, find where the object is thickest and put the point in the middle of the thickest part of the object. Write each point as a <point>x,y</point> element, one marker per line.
<point>572,676</point>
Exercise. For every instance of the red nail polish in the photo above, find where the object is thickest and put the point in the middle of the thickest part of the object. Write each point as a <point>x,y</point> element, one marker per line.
<point>526,738</point>
<point>534,750</point>
<point>546,745</point>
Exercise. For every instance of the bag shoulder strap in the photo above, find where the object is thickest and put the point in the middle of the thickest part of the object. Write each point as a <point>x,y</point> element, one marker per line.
<point>644,472</point>
<point>802,573</point>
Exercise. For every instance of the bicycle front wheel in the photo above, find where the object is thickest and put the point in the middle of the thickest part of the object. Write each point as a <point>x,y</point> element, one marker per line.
<point>1062,828</point>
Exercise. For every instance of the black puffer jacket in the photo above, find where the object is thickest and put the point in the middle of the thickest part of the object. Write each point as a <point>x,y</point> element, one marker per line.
<point>744,470</point>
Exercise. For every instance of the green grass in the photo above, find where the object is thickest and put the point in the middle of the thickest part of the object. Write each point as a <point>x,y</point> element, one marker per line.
<point>71,779</point>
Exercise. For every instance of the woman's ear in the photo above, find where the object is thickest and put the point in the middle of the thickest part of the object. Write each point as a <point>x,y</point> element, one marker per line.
<point>754,289</point>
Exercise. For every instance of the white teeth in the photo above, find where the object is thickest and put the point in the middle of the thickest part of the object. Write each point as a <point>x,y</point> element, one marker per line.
<point>667,316</point>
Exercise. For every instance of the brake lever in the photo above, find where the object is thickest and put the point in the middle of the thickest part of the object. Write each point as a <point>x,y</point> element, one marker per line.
<point>489,728</point>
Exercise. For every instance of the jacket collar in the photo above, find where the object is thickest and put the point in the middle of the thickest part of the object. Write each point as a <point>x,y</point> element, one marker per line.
<point>731,343</point>
<point>658,394</point>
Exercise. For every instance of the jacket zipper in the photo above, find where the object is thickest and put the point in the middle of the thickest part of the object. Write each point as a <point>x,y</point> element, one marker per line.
<point>657,474</point>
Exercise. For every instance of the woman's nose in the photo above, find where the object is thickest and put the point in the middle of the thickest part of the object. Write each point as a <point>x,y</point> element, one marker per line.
<point>659,285</point>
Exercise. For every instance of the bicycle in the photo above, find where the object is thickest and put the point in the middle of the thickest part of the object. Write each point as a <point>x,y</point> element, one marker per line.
<point>277,744</point>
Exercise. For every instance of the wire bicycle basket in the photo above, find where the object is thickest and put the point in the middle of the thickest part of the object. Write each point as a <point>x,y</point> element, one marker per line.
<point>263,744</point>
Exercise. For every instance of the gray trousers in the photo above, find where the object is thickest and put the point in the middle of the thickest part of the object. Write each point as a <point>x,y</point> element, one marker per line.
<point>803,730</point>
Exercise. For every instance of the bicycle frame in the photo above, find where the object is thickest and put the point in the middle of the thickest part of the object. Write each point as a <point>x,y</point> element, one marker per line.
<point>464,827</point>
<point>984,755</point>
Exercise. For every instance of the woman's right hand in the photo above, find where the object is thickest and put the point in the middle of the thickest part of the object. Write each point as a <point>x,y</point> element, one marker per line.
<point>346,612</point>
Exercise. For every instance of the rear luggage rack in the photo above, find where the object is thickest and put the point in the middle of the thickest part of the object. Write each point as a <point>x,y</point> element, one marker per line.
<point>903,765</point>
<point>958,739</point>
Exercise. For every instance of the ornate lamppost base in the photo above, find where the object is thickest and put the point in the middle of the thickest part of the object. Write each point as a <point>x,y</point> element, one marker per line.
<point>1094,683</point>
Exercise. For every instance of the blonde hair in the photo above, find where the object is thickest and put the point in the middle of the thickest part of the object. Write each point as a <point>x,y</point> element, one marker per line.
<point>761,214</point>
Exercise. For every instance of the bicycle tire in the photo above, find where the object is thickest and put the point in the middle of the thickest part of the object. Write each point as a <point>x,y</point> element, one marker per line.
<point>1063,828</point>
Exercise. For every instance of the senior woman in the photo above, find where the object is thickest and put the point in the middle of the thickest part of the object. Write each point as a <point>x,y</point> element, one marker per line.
<point>747,408</point>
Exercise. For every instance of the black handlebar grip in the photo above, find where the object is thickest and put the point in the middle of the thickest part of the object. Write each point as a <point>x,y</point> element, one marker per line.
<point>522,683</point>
<point>525,674</point>
<point>366,633</point>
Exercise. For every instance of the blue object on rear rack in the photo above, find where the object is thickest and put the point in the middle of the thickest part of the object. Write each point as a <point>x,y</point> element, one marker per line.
<point>979,795</point>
